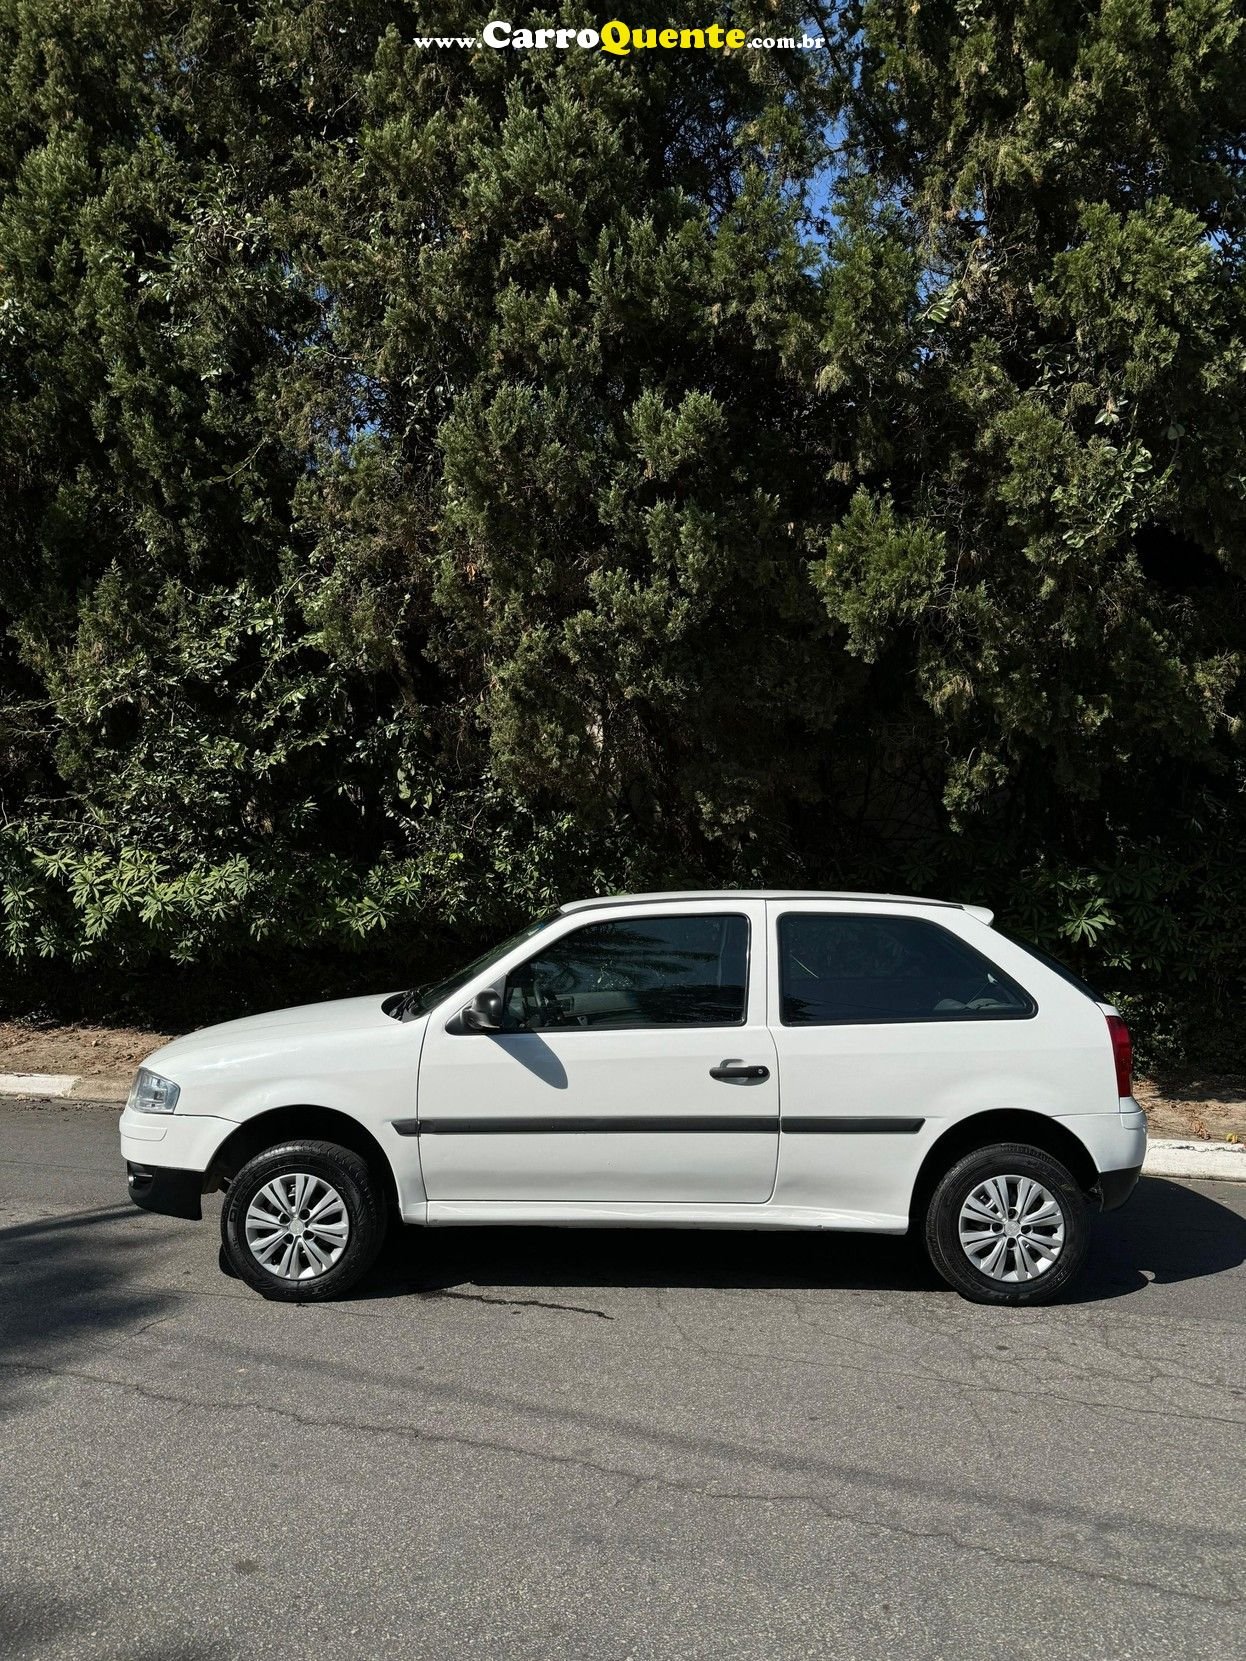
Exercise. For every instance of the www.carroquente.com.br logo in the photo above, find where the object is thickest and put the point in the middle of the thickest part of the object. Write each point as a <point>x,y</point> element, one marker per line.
<point>622,39</point>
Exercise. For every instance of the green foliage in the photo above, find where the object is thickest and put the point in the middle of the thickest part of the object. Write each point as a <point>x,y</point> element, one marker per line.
<point>439,483</point>
<point>879,572</point>
<point>1044,562</point>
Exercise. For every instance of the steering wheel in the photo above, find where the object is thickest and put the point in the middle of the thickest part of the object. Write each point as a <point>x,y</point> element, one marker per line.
<point>541,1003</point>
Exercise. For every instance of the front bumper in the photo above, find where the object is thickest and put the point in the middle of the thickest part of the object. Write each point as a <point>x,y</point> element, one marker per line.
<point>164,1189</point>
<point>167,1155</point>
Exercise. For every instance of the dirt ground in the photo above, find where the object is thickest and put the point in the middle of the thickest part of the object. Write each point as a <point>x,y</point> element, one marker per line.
<point>1208,1107</point>
<point>107,1056</point>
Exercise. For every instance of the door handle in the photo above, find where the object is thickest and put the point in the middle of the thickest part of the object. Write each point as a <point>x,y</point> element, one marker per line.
<point>737,1069</point>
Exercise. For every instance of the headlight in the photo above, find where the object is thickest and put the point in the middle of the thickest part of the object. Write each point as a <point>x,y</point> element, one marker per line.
<point>152,1094</point>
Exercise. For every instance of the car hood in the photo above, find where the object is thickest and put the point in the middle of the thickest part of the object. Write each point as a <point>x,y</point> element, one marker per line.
<point>279,1029</point>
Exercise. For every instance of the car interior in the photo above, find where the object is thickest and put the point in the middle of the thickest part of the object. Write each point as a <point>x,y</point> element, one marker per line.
<point>843,968</point>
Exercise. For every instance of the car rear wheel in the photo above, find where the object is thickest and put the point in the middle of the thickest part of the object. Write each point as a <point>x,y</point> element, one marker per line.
<point>1007,1224</point>
<point>303,1221</point>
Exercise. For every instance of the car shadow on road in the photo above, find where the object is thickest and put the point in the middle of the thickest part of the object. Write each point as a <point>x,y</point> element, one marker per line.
<point>1166,1233</point>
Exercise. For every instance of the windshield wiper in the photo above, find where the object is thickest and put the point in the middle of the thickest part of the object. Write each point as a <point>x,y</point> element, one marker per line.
<point>403,1004</point>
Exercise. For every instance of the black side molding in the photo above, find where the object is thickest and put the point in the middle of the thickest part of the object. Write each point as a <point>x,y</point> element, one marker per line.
<point>639,1124</point>
<point>163,1189</point>
<point>828,1124</point>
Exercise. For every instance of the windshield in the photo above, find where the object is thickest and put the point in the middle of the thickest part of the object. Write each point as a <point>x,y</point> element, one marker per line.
<point>421,999</point>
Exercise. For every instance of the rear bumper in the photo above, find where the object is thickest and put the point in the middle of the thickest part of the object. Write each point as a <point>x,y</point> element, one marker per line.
<point>1115,1187</point>
<point>1116,1142</point>
<point>162,1188</point>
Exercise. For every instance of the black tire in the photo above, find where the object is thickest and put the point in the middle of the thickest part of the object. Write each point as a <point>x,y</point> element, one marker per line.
<point>361,1199</point>
<point>942,1225</point>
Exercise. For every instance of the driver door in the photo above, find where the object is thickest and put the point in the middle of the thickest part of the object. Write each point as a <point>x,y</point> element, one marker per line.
<point>634,1066</point>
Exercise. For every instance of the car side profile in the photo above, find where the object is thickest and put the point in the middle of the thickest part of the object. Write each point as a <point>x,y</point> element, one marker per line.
<point>702,1060</point>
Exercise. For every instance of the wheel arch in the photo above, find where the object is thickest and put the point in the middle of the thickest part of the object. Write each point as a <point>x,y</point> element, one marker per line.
<point>979,1130</point>
<point>293,1122</point>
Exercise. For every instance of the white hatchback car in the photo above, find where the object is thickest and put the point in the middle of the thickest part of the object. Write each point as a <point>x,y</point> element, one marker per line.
<point>700,1060</point>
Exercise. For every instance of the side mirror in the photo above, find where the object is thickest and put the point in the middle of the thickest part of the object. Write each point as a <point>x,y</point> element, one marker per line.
<point>484,1013</point>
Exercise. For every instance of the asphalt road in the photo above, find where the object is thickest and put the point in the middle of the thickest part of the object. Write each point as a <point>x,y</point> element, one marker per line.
<point>606,1444</point>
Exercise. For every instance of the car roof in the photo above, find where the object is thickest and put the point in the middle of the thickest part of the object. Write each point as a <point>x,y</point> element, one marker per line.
<point>699,895</point>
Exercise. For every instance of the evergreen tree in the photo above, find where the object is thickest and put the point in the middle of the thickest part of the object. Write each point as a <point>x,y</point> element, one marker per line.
<point>407,525</point>
<point>439,482</point>
<point>1035,301</point>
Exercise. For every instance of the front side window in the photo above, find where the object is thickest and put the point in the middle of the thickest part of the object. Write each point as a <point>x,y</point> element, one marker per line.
<point>635,972</point>
<point>839,968</point>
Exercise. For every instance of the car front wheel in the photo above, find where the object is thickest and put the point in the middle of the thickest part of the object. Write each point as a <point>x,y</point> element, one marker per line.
<point>303,1221</point>
<point>1007,1224</point>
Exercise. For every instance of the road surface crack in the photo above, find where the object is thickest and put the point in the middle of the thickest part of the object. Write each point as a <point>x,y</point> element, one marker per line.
<point>519,1303</point>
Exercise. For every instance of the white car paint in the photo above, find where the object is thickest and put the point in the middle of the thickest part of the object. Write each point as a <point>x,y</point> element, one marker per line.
<point>1057,1064</point>
<point>616,1076</point>
<point>400,1080</point>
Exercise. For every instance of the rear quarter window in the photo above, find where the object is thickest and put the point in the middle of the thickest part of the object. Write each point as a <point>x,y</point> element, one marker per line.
<point>839,968</point>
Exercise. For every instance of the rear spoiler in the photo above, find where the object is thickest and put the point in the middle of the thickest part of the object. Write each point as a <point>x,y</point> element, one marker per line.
<point>981,913</point>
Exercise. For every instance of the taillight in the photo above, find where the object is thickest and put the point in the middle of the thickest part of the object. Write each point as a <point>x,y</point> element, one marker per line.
<point>1123,1055</point>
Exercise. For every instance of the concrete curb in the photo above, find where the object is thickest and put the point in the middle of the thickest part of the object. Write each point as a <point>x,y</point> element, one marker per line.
<point>1204,1161</point>
<point>1165,1156</point>
<point>37,1084</point>
<point>107,1087</point>
<point>111,1087</point>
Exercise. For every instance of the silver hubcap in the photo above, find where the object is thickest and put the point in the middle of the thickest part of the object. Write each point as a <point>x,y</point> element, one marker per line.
<point>297,1226</point>
<point>1012,1228</point>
